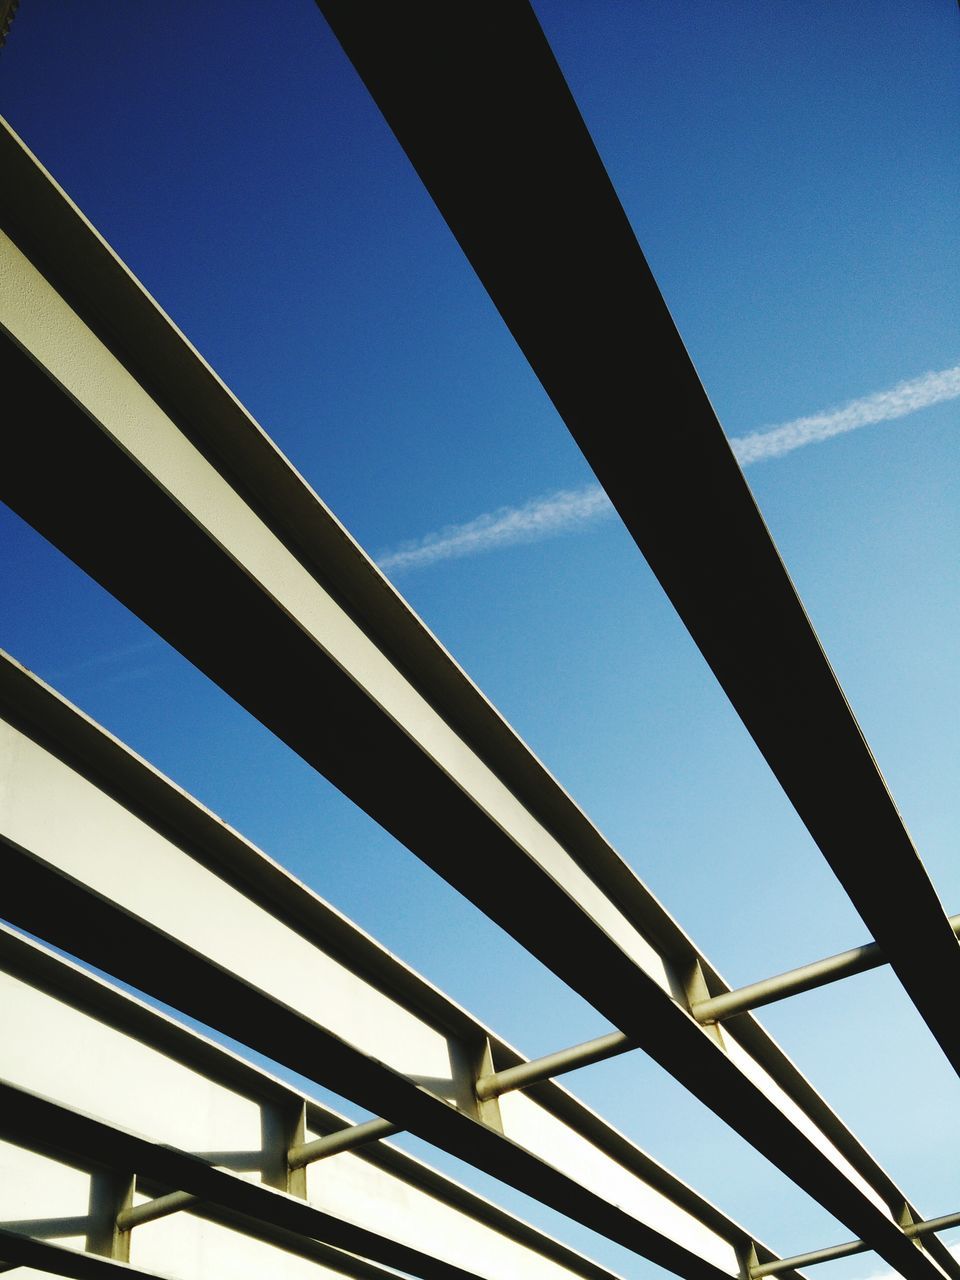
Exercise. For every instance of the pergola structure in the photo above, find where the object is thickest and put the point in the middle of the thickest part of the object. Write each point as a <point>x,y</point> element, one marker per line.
<point>154,1150</point>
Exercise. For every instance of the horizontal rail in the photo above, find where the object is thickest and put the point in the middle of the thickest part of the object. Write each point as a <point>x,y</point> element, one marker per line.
<point>151,1210</point>
<point>806,977</point>
<point>525,1074</point>
<point>810,1259</point>
<point>932,1225</point>
<point>914,1229</point>
<point>298,1157</point>
<point>819,973</point>
<point>331,1144</point>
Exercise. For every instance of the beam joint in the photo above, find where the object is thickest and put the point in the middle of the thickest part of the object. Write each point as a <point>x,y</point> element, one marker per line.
<point>160,1207</point>
<point>553,1064</point>
<point>331,1144</point>
<point>913,1229</point>
<point>794,982</point>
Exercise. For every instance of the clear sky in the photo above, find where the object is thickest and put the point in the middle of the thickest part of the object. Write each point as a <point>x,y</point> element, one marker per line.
<point>791,171</point>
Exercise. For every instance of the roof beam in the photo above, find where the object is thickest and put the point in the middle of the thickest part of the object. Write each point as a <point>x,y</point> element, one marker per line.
<point>528,199</point>
<point>320,968</point>
<point>41,1124</point>
<point>23,1251</point>
<point>190,516</point>
<point>53,978</point>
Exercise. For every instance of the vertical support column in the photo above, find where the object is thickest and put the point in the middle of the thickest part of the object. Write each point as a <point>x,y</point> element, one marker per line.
<point>486,1110</point>
<point>747,1257</point>
<point>282,1126</point>
<point>110,1194</point>
<point>695,989</point>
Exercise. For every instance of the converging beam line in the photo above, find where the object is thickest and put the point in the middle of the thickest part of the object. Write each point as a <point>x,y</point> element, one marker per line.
<point>819,973</point>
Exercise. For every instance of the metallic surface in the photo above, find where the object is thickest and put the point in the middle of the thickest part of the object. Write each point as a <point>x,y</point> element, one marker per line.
<point>404,733</point>
<point>850,1247</point>
<point>819,973</point>
<point>41,1124</point>
<point>553,1064</point>
<point>49,1000</point>
<point>332,1144</point>
<point>227,987</point>
<point>528,199</point>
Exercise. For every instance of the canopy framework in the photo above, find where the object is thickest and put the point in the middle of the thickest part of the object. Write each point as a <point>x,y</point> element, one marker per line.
<point>266,551</point>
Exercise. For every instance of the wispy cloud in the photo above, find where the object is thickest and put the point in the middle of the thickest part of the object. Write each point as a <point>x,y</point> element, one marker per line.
<point>896,402</point>
<point>571,509</point>
<point>98,666</point>
<point>505,527</point>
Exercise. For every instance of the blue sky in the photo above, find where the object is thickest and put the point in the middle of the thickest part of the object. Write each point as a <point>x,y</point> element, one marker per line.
<point>792,174</point>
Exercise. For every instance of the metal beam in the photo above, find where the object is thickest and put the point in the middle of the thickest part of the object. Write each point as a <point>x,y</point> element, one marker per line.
<point>755,995</point>
<point>811,1259</point>
<point>550,1065</point>
<point>52,976</point>
<point>40,1124</point>
<point>90,925</point>
<point>331,1144</point>
<point>151,1210</point>
<point>819,973</point>
<point>57,1260</point>
<point>216,870</point>
<point>832,1252</point>
<point>528,199</point>
<point>402,732</point>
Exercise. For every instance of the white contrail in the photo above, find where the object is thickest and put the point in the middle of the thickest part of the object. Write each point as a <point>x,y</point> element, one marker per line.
<point>904,398</point>
<point>536,519</point>
<point>568,509</point>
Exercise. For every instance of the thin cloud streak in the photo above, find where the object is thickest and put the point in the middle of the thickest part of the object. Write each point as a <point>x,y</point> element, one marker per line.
<point>539,518</point>
<point>570,509</point>
<point>883,406</point>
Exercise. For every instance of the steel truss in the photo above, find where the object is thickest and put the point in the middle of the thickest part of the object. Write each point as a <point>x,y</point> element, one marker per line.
<point>191,516</point>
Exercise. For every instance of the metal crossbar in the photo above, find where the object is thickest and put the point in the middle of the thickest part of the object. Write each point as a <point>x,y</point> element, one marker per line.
<point>832,1252</point>
<point>808,977</point>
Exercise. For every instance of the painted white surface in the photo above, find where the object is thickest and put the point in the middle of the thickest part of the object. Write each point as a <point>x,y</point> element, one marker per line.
<point>58,1051</point>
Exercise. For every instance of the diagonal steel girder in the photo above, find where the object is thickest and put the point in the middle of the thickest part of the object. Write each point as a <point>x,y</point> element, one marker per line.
<point>191,517</point>
<point>44,1125</point>
<point>57,1260</point>
<point>526,195</point>
<point>62,984</point>
<point>381,1034</point>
